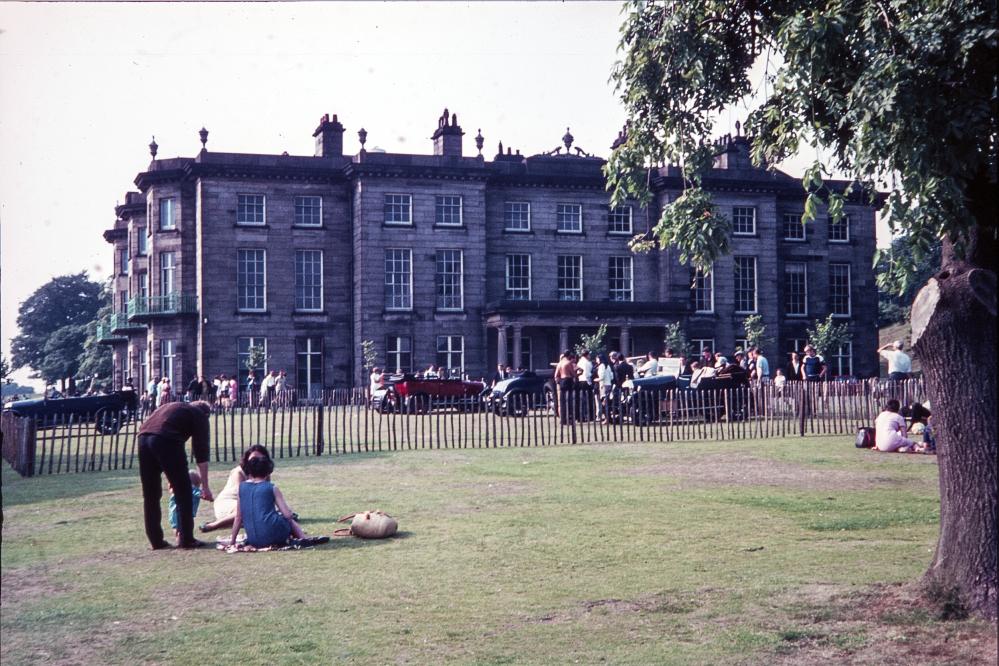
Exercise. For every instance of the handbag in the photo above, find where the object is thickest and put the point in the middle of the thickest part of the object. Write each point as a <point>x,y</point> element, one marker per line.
<point>865,438</point>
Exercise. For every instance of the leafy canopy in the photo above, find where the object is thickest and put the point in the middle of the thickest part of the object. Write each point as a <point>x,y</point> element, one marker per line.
<point>901,94</point>
<point>53,323</point>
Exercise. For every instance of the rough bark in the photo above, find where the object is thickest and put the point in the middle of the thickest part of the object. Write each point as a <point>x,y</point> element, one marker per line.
<point>954,335</point>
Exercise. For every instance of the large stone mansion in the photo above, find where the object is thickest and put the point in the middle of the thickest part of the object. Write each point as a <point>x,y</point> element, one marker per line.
<point>458,261</point>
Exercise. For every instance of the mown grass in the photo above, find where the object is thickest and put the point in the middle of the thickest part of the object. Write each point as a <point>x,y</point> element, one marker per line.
<point>731,552</point>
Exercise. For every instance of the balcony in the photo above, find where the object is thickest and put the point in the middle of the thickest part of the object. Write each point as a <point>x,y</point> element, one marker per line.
<point>119,324</point>
<point>142,309</point>
<point>105,334</point>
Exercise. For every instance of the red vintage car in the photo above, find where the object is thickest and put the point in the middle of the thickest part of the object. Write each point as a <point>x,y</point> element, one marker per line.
<point>417,395</point>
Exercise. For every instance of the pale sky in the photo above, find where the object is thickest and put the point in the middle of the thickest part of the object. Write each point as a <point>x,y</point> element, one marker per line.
<point>84,87</point>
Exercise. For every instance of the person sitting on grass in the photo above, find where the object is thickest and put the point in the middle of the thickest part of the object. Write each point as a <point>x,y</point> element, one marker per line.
<point>261,509</point>
<point>889,430</point>
<point>195,501</point>
<point>225,501</point>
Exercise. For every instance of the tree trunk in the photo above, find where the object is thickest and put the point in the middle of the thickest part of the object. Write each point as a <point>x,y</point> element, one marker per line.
<point>954,335</point>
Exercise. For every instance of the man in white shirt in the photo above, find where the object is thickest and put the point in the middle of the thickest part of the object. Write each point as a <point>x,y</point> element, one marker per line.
<point>899,363</point>
<point>584,369</point>
<point>651,366</point>
<point>762,364</point>
<point>889,430</point>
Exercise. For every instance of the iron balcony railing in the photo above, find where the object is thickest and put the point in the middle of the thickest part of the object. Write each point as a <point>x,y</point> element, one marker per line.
<point>119,323</point>
<point>159,306</point>
<point>105,333</point>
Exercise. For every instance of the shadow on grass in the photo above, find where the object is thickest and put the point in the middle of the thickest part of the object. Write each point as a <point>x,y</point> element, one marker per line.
<point>355,542</point>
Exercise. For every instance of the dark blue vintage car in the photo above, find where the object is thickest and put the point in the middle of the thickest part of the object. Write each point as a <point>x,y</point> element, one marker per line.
<point>521,393</point>
<point>108,412</point>
<point>651,398</point>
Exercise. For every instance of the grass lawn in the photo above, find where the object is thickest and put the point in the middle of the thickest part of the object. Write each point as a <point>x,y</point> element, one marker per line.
<point>774,551</point>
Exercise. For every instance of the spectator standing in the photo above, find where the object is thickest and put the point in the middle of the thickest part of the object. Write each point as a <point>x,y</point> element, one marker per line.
<point>281,387</point>
<point>605,388</point>
<point>565,380</point>
<point>163,392</point>
<point>761,366</point>
<point>795,366</point>
<point>584,368</point>
<point>499,375</point>
<point>268,387</point>
<point>812,367</point>
<point>251,387</point>
<point>899,363</point>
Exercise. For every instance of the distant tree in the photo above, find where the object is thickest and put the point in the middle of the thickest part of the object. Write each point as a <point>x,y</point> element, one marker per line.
<point>68,301</point>
<point>369,354</point>
<point>827,336</point>
<point>97,359</point>
<point>593,343</point>
<point>13,390</point>
<point>676,339</point>
<point>4,368</point>
<point>256,358</point>
<point>756,331</point>
<point>902,94</point>
<point>900,276</point>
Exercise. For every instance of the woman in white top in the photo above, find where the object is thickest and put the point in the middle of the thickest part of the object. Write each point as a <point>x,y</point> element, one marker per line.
<point>226,501</point>
<point>889,429</point>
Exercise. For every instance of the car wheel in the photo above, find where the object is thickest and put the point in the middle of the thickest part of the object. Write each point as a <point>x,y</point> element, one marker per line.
<point>107,422</point>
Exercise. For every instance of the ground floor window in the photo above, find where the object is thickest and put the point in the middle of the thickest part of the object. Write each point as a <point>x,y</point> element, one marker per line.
<point>700,343</point>
<point>525,355</point>
<point>842,360</point>
<point>168,358</point>
<point>243,353</point>
<point>309,366</point>
<point>399,354</point>
<point>451,355</point>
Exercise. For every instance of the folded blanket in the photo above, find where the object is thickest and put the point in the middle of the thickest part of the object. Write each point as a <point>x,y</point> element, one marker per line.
<point>222,543</point>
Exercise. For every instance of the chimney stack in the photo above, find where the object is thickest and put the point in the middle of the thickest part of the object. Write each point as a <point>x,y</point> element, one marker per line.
<point>447,137</point>
<point>329,137</point>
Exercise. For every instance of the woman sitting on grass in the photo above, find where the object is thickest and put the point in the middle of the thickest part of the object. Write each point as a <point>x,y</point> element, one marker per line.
<point>261,508</point>
<point>225,501</point>
<point>890,430</point>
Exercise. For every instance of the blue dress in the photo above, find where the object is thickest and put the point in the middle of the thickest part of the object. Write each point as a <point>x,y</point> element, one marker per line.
<point>264,525</point>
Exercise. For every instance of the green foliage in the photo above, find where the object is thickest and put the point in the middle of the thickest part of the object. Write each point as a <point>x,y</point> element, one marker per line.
<point>900,271</point>
<point>593,343</point>
<point>899,94</point>
<point>890,313</point>
<point>67,302</point>
<point>677,339</point>
<point>756,331</point>
<point>96,360</point>
<point>369,354</point>
<point>827,336</point>
<point>61,354</point>
<point>256,358</point>
<point>4,368</point>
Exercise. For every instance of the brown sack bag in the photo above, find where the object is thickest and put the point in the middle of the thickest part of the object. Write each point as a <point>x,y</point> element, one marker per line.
<point>370,525</point>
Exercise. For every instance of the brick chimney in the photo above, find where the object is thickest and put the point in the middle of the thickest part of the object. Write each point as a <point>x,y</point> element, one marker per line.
<point>447,137</point>
<point>329,137</point>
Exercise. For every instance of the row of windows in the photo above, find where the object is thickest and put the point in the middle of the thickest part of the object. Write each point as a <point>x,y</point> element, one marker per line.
<point>795,288</point>
<point>251,210</point>
<point>251,280</point>
<point>450,354</point>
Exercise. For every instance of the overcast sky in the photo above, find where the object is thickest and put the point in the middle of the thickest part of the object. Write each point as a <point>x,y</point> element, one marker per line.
<point>83,88</point>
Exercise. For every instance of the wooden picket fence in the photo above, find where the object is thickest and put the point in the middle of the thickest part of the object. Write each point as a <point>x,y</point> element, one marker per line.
<point>341,422</point>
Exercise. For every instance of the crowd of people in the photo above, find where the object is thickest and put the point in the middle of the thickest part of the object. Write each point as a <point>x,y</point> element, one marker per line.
<point>222,390</point>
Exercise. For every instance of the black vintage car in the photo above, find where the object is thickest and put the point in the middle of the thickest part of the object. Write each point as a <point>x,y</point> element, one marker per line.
<point>108,412</point>
<point>651,398</point>
<point>519,394</point>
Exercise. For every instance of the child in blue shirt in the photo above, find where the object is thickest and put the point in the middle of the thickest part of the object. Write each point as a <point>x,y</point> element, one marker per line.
<point>195,501</point>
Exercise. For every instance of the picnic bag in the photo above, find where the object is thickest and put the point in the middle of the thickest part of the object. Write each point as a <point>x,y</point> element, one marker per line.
<point>865,438</point>
<point>370,525</point>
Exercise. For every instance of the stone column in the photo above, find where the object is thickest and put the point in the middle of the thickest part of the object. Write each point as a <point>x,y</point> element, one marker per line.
<point>626,340</point>
<point>501,345</point>
<point>517,330</point>
<point>563,339</point>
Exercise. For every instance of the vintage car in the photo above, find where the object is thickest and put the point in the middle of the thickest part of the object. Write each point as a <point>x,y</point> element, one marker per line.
<point>418,395</point>
<point>651,399</point>
<point>108,412</point>
<point>519,394</point>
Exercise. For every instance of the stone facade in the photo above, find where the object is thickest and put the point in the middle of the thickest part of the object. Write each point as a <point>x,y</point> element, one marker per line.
<point>310,256</point>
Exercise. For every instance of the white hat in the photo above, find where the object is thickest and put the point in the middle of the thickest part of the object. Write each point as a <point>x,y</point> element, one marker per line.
<point>897,344</point>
